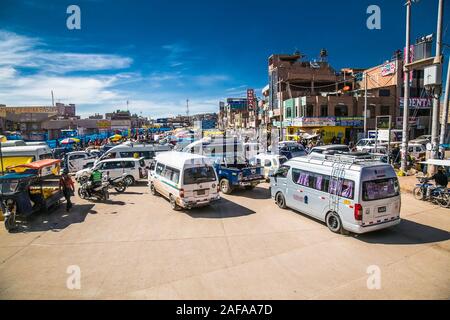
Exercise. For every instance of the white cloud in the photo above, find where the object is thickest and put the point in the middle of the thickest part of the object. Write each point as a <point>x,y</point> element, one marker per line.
<point>154,95</point>
<point>21,51</point>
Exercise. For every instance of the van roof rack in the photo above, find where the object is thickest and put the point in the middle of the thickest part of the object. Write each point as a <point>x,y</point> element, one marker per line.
<point>346,157</point>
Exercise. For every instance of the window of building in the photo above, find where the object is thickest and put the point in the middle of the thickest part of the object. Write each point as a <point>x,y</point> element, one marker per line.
<point>288,112</point>
<point>324,110</point>
<point>384,92</point>
<point>371,112</point>
<point>341,110</point>
<point>310,110</point>
<point>384,110</point>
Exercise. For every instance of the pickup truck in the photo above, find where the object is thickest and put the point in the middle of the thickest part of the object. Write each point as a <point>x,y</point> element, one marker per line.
<point>237,172</point>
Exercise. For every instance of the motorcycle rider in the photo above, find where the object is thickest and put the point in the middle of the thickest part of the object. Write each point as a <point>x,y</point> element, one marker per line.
<point>441,180</point>
<point>95,180</point>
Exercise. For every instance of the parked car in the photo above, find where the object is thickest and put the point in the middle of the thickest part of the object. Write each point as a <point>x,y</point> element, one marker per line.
<point>269,162</point>
<point>135,169</point>
<point>329,149</point>
<point>292,151</point>
<point>78,160</point>
<point>424,140</point>
<point>417,150</point>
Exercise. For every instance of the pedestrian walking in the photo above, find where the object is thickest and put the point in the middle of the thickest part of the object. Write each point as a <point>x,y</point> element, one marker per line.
<point>68,188</point>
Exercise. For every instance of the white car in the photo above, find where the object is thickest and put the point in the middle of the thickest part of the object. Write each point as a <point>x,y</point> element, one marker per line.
<point>79,160</point>
<point>133,169</point>
<point>417,150</point>
<point>270,163</point>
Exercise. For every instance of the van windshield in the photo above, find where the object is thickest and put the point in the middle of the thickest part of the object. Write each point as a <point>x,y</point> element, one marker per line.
<point>380,189</point>
<point>199,174</point>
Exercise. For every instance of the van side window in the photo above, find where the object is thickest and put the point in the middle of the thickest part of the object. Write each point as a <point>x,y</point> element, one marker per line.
<point>159,168</point>
<point>128,164</point>
<point>171,174</point>
<point>112,165</point>
<point>345,188</point>
<point>267,163</point>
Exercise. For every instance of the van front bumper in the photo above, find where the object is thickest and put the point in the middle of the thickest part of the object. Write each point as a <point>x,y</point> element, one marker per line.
<point>189,204</point>
<point>371,227</point>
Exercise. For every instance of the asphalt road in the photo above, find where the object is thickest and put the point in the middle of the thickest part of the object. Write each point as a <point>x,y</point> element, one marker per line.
<point>243,247</point>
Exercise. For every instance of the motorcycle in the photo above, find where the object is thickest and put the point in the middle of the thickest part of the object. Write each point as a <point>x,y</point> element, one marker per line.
<point>118,184</point>
<point>87,191</point>
<point>428,192</point>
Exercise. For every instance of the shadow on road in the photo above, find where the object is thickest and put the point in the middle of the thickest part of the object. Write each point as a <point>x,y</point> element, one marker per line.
<point>257,193</point>
<point>222,209</point>
<point>55,220</point>
<point>407,232</point>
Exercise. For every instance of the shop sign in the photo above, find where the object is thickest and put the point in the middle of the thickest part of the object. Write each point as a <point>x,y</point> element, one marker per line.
<point>350,121</point>
<point>103,124</point>
<point>388,69</point>
<point>250,99</point>
<point>417,103</point>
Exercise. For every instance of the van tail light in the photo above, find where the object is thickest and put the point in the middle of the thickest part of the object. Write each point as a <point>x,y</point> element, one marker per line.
<point>181,193</point>
<point>358,212</point>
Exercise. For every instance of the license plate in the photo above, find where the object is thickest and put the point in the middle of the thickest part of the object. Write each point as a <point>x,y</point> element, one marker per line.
<point>381,209</point>
<point>200,192</point>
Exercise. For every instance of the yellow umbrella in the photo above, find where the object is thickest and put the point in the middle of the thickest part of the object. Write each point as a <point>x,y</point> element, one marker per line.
<point>115,137</point>
<point>2,138</point>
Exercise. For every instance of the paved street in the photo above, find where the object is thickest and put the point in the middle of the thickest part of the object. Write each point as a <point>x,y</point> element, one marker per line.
<point>243,247</point>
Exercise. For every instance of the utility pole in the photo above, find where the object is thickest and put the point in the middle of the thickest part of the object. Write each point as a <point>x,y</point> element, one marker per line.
<point>405,135</point>
<point>436,102</point>
<point>53,100</point>
<point>187,110</point>
<point>365,104</point>
<point>445,112</point>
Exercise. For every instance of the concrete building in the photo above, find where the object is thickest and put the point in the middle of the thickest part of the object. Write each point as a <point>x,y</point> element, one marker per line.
<point>29,120</point>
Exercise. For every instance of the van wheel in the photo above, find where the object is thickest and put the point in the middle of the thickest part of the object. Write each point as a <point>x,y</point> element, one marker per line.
<point>153,190</point>
<point>129,180</point>
<point>225,186</point>
<point>173,203</point>
<point>334,223</point>
<point>280,200</point>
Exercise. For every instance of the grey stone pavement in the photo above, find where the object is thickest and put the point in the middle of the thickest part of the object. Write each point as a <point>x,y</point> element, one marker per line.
<point>244,247</point>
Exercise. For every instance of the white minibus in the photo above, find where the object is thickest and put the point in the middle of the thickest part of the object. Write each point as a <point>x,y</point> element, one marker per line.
<point>13,156</point>
<point>146,151</point>
<point>187,180</point>
<point>348,192</point>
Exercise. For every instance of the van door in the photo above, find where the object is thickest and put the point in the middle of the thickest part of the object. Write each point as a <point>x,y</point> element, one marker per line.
<point>129,167</point>
<point>113,168</point>
<point>297,196</point>
<point>157,177</point>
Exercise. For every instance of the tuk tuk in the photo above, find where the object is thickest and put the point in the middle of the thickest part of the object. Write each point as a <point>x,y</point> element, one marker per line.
<point>28,189</point>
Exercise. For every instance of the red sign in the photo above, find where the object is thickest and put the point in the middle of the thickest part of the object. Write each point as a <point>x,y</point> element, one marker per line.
<point>250,99</point>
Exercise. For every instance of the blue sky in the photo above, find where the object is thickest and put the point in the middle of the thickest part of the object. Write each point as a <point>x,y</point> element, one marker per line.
<point>156,54</point>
